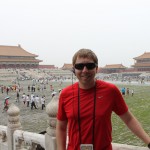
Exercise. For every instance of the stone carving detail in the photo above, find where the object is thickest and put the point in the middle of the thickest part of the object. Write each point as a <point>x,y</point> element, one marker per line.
<point>51,110</point>
<point>19,144</point>
<point>12,125</point>
<point>13,117</point>
<point>4,137</point>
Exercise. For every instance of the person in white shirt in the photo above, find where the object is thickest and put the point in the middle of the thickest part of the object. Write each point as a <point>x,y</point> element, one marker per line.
<point>37,101</point>
<point>43,102</point>
<point>24,98</point>
<point>28,100</point>
<point>33,102</point>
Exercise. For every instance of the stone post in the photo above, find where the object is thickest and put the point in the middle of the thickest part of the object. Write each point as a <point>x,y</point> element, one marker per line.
<point>13,124</point>
<point>50,136</point>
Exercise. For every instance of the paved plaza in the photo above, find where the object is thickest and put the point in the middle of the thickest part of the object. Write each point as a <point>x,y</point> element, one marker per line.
<point>34,120</point>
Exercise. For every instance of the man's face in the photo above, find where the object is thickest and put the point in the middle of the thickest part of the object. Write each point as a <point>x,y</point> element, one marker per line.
<point>85,70</point>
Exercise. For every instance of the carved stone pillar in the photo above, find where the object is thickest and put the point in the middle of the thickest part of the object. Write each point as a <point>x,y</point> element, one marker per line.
<point>13,124</point>
<point>50,136</point>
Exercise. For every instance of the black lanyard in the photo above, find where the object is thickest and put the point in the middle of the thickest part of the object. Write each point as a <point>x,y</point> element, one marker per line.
<point>79,121</point>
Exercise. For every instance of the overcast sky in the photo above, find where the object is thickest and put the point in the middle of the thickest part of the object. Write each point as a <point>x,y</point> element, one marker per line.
<point>116,30</point>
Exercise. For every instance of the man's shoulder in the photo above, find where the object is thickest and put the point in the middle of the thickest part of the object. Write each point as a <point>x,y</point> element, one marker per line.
<point>69,89</point>
<point>102,83</point>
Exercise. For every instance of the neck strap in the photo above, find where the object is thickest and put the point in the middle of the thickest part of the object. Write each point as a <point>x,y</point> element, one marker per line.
<point>79,120</point>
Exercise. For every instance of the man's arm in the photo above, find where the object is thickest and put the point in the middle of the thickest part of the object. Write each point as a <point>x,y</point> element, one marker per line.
<point>61,134</point>
<point>134,125</point>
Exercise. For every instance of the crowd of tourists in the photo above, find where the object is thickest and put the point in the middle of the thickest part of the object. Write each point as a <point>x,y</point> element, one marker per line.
<point>33,96</point>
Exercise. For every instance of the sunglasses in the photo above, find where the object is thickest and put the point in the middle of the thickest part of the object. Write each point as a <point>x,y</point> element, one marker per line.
<point>89,66</point>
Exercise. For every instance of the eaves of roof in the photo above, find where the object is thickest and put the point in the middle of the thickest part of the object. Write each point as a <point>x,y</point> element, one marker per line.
<point>14,51</point>
<point>20,60</point>
<point>114,66</point>
<point>143,56</point>
<point>69,66</point>
<point>141,65</point>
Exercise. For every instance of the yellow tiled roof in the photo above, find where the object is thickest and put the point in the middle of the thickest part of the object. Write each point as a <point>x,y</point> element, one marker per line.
<point>114,66</point>
<point>20,60</point>
<point>67,66</point>
<point>14,51</point>
<point>143,56</point>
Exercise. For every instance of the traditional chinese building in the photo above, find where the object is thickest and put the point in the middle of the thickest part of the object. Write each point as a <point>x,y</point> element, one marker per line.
<point>17,57</point>
<point>113,68</point>
<point>67,67</point>
<point>142,62</point>
<point>47,67</point>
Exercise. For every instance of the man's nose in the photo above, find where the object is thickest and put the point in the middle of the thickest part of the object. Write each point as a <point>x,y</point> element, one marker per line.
<point>85,69</point>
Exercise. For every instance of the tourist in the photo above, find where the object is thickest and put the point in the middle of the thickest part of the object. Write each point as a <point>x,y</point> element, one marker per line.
<point>51,87</point>
<point>28,100</point>
<point>43,102</point>
<point>6,104</point>
<point>33,88</point>
<point>132,92</point>
<point>18,95</point>
<point>85,109</point>
<point>24,98</point>
<point>2,88</point>
<point>33,102</point>
<point>28,88</point>
<point>128,92</point>
<point>123,91</point>
<point>7,89</point>
<point>37,101</point>
<point>31,96</point>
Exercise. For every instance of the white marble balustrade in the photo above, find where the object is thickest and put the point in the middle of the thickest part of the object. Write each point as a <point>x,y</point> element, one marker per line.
<point>12,137</point>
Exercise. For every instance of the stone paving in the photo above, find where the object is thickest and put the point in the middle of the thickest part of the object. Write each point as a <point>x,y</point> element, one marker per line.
<point>34,120</point>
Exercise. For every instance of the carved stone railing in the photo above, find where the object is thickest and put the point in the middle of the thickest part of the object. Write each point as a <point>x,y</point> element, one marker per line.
<point>28,140</point>
<point>13,138</point>
<point>50,136</point>
<point>13,124</point>
<point>3,133</point>
<point>3,137</point>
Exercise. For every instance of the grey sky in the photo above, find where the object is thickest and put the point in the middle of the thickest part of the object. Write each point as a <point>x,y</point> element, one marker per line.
<point>116,30</point>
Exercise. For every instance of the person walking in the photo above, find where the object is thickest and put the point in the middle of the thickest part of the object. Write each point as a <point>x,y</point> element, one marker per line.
<point>43,102</point>
<point>7,90</point>
<point>85,109</point>
<point>132,92</point>
<point>24,98</point>
<point>18,95</point>
<point>33,102</point>
<point>128,91</point>
<point>28,100</point>
<point>37,101</point>
<point>6,104</point>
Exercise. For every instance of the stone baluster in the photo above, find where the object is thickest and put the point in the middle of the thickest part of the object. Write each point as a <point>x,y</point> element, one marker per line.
<point>50,136</point>
<point>13,124</point>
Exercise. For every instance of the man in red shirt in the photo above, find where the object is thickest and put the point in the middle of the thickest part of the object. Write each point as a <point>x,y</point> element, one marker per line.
<point>86,107</point>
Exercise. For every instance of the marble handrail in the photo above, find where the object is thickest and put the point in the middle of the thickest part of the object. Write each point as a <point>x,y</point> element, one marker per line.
<point>24,138</point>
